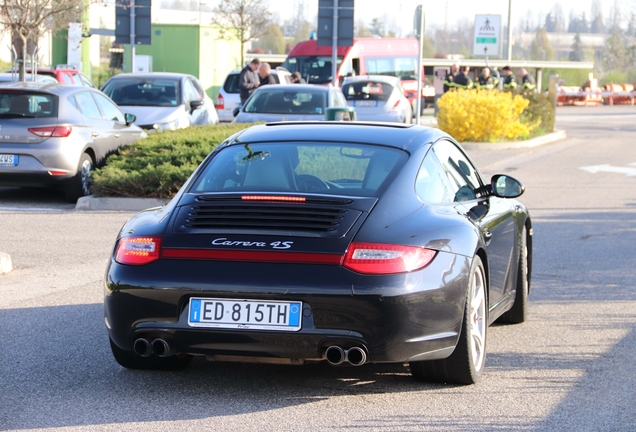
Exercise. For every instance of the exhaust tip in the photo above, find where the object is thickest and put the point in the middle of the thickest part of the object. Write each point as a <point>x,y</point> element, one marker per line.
<point>161,348</point>
<point>142,347</point>
<point>356,356</point>
<point>335,355</point>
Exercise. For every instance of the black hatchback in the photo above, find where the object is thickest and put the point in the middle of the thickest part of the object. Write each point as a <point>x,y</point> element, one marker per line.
<point>348,243</point>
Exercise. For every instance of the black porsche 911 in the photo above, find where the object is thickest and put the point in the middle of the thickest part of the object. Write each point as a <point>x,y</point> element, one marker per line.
<point>349,243</point>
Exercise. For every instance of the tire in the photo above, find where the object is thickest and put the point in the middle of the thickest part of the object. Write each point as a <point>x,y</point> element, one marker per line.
<point>466,364</point>
<point>130,360</point>
<point>82,182</point>
<point>519,311</point>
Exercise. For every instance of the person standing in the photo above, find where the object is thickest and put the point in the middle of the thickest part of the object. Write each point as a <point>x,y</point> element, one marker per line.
<point>486,81</point>
<point>462,80</point>
<point>296,78</point>
<point>264,74</point>
<point>249,79</point>
<point>528,83</point>
<point>450,78</point>
<point>509,82</point>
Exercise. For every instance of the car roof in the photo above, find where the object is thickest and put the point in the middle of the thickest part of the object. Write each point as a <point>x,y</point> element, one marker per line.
<point>378,78</point>
<point>160,75</point>
<point>45,86</point>
<point>404,136</point>
<point>296,87</point>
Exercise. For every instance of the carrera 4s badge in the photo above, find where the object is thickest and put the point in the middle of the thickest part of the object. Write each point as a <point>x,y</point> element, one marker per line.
<point>222,241</point>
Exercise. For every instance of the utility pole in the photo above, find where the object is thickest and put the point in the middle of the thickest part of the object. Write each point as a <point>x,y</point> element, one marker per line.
<point>509,30</point>
<point>132,36</point>
<point>334,46</point>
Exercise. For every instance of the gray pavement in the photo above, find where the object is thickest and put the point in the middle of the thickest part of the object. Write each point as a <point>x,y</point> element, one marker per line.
<point>570,367</point>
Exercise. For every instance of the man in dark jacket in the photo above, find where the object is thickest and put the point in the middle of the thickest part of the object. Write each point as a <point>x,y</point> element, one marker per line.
<point>449,80</point>
<point>509,82</point>
<point>264,74</point>
<point>527,81</point>
<point>462,80</point>
<point>486,81</point>
<point>249,80</point>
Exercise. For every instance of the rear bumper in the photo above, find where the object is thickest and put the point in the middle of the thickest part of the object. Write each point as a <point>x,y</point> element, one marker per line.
<point>395,318</point>
<point>34,178</point>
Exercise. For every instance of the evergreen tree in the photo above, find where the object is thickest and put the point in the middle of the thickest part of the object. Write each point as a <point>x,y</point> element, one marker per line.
<point>597,24</point>
<point>540,48</point>
<point>577,53</point>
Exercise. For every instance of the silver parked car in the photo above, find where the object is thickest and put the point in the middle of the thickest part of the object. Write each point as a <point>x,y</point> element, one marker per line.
<point>290,102</point>
<point>161,100</point>
<point>9,77</point>
<point>377,98</point>
<point>53,135</point>
<point>229,97</point>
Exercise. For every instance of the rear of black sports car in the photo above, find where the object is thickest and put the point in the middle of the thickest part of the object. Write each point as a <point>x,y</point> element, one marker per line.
<point>286,252</point>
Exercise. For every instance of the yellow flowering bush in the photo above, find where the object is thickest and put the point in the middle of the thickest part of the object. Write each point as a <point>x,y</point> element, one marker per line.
<point>483,115</point>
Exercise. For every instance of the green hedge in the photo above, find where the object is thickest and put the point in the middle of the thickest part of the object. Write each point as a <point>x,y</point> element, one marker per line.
<point>539,110</point>
<point>157,167</point>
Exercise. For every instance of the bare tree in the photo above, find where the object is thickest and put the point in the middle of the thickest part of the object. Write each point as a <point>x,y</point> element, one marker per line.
<point>27,20</point>
<point>246,20</point>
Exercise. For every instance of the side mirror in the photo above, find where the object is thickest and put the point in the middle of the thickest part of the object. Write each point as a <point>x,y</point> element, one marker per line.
<point>196,104</point>
<point>130,119</point>
<point>236,111</point>
<point>504,186</point>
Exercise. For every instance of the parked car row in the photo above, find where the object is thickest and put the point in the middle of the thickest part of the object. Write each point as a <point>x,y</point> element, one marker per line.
<point>56,129</point>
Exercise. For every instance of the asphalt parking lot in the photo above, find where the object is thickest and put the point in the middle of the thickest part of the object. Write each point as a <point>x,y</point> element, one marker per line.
<point>570,367</point>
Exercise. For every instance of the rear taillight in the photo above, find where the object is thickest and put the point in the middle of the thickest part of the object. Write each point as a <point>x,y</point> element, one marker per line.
<point>376,258</point>
<point>52,131</point>
<point>396,106</point>
<point>220,102</point>
<point>138,250</point>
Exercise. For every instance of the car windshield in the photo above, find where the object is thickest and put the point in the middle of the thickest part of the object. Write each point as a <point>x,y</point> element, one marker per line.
<point>281,101</point>
<point>25,104</point>
<point>326,168</point>
<point>142,91</point>
<point>314,69</point>
<point>367,90</point>
<point>403,67</point>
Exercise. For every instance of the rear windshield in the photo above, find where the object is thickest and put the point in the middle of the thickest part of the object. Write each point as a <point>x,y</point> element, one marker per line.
<point>231,84</point>
<point>144,91</point>
<point>333,169</point>
<point>27,104</point>
<point>275,101</point>
<point>367,90</point>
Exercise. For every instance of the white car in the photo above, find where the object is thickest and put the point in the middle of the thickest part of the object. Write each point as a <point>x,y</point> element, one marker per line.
<point>377,98</point>
<point>229,97</point>
<point>289,102</point>
<point>161,100</point>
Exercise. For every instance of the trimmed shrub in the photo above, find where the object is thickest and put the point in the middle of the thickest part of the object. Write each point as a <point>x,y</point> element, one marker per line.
<point>157,167</point>
<point>483,115</point>
<point>540,112</point>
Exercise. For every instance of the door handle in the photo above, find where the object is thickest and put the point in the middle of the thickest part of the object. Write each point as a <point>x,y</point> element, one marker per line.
<point>487,236</point>
<point>95,134</point>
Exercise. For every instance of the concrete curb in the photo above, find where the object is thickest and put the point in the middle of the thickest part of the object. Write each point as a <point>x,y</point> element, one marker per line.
<point>118,204</point>
<point>5,263</point>
<point>534,142</point>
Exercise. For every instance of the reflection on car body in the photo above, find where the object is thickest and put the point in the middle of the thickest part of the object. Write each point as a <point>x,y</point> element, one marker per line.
<point>343,242</point>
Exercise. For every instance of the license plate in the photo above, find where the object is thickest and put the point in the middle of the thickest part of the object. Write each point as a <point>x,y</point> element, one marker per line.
<point>245,314</point>
<point>7,159</point>
<point>365,103</point>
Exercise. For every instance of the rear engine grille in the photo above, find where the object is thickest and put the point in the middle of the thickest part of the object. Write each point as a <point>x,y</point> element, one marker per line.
<point>311,220</point>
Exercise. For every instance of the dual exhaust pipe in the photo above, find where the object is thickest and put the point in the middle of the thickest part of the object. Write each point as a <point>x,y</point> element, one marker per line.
<point>159,347</point>
<point>355,356</point>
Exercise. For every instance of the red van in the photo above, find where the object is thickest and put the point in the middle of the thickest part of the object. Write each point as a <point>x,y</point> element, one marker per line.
<point>367,56</point>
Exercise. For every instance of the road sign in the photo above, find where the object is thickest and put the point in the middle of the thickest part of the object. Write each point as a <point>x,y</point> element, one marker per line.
<point>326,20</point>
<point>487,40</point>
<point>417,21</point>
<point>141,11</point>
